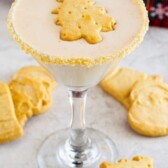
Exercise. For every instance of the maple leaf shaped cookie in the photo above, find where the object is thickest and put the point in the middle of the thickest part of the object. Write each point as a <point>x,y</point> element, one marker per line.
<point>82,19</point>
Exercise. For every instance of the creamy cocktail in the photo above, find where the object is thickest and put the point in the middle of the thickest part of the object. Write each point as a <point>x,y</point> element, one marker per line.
<point>78,65</point>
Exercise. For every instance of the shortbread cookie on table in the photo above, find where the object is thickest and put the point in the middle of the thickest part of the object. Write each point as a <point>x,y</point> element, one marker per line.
<point>10,128</point>
<point>120,83</point>
<point>30,98</point>
<point>151,81</point>
<point>37,73</point>
<point>136,162</point>
<point>148,114</point>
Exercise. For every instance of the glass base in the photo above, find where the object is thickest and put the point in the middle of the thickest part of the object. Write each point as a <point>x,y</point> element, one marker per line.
<point>57,152</point>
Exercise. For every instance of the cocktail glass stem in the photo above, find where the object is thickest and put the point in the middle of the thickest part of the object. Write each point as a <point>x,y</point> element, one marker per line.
<point>78,146</point>
<point>78,135</point>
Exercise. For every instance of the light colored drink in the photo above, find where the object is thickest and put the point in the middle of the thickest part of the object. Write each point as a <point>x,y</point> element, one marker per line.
<point>79,77</point>
<point>33,24</point>
<point>77,65</point>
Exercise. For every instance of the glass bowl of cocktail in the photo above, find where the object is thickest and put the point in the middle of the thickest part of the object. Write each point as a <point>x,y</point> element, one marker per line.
<point>78,42</point>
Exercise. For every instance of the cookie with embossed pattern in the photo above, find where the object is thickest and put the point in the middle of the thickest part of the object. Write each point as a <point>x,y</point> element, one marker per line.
<point>10,128</point>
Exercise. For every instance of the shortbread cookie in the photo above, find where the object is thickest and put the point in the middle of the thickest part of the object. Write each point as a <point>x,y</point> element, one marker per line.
<point>148,114</point>
<point>9,126</point>
<point>120,84</point>
<point>30,98</point>
<point>154,80</point>
<point>136,162</point>
<point>37,73</point>
<point>82,19</point>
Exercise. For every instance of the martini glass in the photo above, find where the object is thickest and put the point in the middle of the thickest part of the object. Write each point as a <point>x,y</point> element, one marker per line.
<point>28,23</point>
<point>77,146</point>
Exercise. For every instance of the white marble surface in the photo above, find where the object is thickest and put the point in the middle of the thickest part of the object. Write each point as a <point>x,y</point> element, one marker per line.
<point>105,113</point>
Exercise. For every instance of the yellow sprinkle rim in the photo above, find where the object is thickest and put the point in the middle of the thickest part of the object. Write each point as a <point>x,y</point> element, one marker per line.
<point>46,59</point>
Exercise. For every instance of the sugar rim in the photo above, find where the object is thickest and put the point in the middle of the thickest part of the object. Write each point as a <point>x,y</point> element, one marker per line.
<point>45,58</point>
